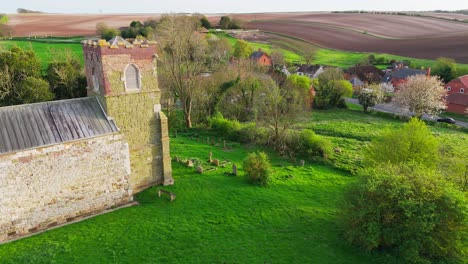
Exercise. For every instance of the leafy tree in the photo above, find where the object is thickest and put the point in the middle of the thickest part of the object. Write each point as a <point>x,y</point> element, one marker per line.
<point>422,95</point>
<point>136,24</point>
<point>34,90</point>
<point>257,168</point>
<point>331,88</point>
<point>445,68</point>
<point>370,96</point>
<point>225,22</point>
<point>151,22</point>
<point>412,143</point>
<point>3,19</point>
<point>205,23</point>
<point>105,31</point>
<point>303,85</point>
<point>15,66</point>
<point>408,209</point>
<point>236,24</point>
<point>65,76</point>
<point>184,59</point>
<point>301,81</point>
<point>242,49</point>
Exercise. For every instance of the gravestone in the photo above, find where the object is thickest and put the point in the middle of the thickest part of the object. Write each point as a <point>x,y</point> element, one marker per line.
<point>200,169</point>
<point>302,163</point>
<point>224,143</point>
<point>216,162</point>
<point>234,169</point>
<point>189,163</point>
<point>211,157</point>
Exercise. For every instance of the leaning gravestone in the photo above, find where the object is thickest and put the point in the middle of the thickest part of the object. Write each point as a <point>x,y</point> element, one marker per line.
<point>216,162</point>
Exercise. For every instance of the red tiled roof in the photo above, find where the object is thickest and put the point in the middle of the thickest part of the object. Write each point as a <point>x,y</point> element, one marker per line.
<point>464,80</point>
<point>458,98</point>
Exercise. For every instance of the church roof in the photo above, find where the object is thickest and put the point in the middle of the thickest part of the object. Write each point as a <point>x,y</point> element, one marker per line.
<point>34,125</point>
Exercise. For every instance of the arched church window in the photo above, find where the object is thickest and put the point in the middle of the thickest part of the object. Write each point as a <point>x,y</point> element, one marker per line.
<point>132,77</point>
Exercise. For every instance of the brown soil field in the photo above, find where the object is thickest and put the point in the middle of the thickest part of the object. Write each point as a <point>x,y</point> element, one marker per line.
<point>68,25</point>
<point>430,47</point>
<point>418,37</point>
<point>392,26</point>
<point>447,15</point>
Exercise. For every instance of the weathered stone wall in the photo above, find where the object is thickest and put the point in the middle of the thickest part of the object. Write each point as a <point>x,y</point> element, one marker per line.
<point>136,112</point>
<point>54,184</point>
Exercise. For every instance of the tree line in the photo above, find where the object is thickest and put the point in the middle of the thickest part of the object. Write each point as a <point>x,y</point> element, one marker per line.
<point>23,81</point>
<point>147,29</point>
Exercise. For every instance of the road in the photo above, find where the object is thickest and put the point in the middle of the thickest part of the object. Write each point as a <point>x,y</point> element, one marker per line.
<point>394,109</point>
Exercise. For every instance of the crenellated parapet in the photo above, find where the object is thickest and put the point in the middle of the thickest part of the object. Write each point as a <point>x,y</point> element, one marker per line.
<point>118,42</point>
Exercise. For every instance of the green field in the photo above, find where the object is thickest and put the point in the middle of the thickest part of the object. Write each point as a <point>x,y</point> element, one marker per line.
<point>45,48</point>
<point>293,50</point>
<point>218,218</point>
<point>338,58</point>
<point>290,56</point>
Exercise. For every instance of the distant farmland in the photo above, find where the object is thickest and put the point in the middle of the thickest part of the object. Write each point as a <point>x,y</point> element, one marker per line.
<point>418,37</point>
<point>410,36</point>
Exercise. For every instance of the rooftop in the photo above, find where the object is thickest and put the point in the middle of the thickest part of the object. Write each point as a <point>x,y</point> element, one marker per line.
<point>34,125</point>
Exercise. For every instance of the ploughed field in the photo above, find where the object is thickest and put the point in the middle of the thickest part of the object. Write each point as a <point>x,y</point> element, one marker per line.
<point>418,37</point>
<point>411,36</point>
<point>68,24</point>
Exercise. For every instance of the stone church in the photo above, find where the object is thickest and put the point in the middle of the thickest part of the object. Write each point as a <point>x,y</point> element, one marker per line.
<point>63,160</point>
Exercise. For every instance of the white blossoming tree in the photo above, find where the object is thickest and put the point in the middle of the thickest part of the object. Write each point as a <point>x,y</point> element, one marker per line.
<point>422,95</point>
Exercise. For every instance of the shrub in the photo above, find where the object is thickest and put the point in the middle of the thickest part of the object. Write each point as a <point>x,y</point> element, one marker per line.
<point>257,168</point>
<point>251,133</point>
<point>314,145</point>
<point>410,210</point>
<point>414,142</point>
<point>229,128</point>
<point>307,143</point>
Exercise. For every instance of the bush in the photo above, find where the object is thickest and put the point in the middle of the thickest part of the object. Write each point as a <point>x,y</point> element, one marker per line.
<point>308,144</point>
<point>257,168</point>
<point>226,127</point>
<point>410,210</point>
<point>414,142</point>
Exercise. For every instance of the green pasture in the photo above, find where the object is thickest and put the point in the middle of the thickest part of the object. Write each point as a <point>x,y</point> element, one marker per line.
<point>218,218</point>
<point>45,49</point>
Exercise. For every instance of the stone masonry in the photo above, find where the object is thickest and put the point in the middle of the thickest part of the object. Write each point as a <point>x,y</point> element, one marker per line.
<point>137,113</point>
<point>60,182</point>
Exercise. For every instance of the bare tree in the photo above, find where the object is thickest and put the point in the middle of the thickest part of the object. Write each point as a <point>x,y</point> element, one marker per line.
<point>422,95</point>
<point>278,58</point>
<point>184,58</point>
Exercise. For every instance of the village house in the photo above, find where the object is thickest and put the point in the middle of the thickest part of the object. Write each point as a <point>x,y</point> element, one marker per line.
<point>261,58</point>
<point>310,70</point>
<point>366,74</point>
<point>62,160</point>
<point>457,95</point>
<point>400,75</point>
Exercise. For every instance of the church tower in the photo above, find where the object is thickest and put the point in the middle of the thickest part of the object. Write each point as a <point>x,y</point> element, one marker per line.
<point>123,75</point>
